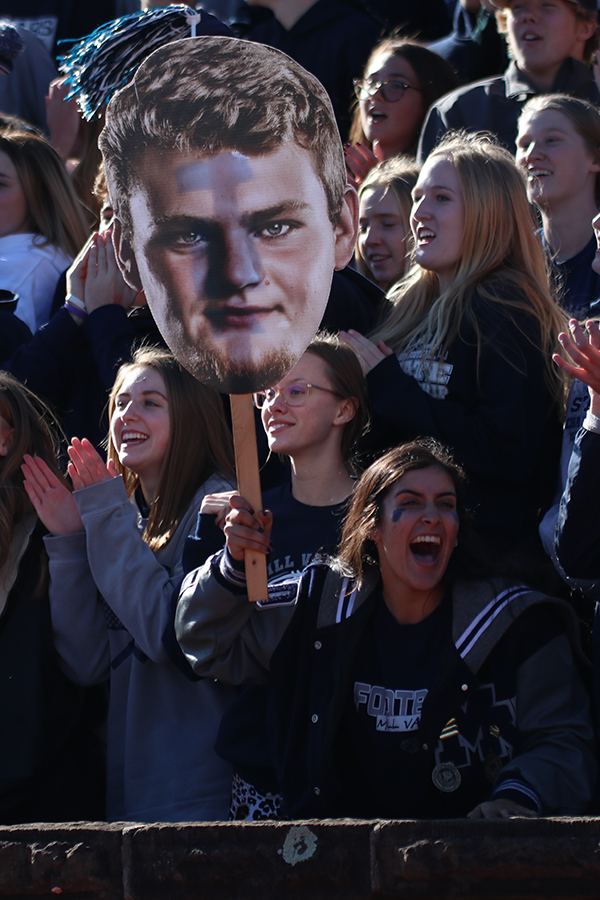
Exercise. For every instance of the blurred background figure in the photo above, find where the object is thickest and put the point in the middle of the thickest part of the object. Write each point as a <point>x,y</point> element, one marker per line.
<point>474,47</point>
<point>330,38</point>
<point>41,223</point>
<point>558,147</point>
<point>24,78</point>
<point>550,45</point>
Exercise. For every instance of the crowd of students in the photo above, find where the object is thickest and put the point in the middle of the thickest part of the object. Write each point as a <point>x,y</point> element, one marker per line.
<point>430,463</point>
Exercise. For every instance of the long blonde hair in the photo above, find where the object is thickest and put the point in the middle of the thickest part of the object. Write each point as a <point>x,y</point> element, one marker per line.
<point>502,262</point>
<point>200,443</point>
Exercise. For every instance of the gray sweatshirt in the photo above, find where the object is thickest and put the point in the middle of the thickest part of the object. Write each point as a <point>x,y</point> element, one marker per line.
<point>111,600</point>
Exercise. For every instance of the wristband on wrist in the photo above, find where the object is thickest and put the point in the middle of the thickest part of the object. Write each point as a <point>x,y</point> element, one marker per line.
<point>75,310</point>
<point>75,301</point>
<point>591,422</point>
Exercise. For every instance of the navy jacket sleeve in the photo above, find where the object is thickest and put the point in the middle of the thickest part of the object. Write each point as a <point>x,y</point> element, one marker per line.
<point>111,336</point>
<point>578,526</point>
<point>46,362</point>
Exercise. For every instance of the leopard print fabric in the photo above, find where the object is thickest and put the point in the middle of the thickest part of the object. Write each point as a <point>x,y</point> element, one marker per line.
<point>249,805</point>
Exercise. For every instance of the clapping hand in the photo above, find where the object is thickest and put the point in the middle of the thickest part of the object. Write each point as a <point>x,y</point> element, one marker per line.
<point>50,497</point>
<point>87,466</point>
<point>585,357</point>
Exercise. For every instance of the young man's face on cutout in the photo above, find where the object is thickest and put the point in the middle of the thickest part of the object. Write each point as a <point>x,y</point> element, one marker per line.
<point>235,254</point>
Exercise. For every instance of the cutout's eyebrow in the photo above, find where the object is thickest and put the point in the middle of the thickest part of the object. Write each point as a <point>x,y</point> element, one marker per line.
<point>247,220</point>
<point>286,207</point>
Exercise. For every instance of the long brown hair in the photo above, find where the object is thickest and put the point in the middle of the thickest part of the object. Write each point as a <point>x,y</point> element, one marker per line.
<point>349,383</point>
<point>357,545</point>
<point>502,262</point>
<point>55,213</point>
<point>200,444</point>
<point>36,433</point>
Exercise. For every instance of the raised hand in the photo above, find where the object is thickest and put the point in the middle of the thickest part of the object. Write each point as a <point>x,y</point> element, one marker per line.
<point>104,283</point>
<point>359,162</point>
<point>369,354</point>
<point>76,274</point>
<point>246,529</point>
<point>584,352</point>
<point>50,498</point>
<point>87,466</point>
<point>62,117</point>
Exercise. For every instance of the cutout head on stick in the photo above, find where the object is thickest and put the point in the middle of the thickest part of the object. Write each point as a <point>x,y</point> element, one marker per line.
<point>226,171</point>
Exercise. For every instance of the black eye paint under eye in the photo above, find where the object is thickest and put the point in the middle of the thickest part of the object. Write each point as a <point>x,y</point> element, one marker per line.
<point>397,514</point>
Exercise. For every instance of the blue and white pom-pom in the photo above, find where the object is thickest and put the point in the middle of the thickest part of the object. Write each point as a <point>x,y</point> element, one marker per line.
<point>11,46</point>
<point>107,59</point>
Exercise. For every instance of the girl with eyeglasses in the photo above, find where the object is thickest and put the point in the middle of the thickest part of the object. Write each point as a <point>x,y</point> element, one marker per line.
<point>400,82</point>
<point>314,417</point>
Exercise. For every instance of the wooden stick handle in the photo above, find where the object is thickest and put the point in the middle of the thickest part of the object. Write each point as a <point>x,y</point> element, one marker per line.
<point>248,478</point>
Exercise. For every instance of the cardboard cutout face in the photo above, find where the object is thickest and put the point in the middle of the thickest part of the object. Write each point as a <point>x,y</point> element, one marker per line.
<point>234,249</point>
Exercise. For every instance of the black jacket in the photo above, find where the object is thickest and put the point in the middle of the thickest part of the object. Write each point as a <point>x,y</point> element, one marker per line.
<point>52,766</point>
<point>495,412</point>
<point>507,677</point>
<point>495,105</point>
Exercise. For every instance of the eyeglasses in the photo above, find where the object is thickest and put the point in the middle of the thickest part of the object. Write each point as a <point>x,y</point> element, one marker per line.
<point>392,91</point>
<point>292,395</point>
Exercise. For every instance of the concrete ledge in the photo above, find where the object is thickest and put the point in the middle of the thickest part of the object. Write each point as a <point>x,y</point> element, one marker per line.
<point>316,860</point>
<point>81,860</point>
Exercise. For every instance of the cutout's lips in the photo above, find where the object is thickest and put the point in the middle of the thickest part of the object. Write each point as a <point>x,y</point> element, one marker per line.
<point>231,316</point>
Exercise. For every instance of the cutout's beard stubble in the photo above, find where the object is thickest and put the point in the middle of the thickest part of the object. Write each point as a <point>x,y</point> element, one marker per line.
<point>234,376</point>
